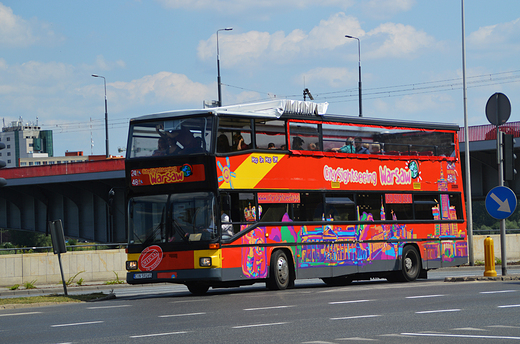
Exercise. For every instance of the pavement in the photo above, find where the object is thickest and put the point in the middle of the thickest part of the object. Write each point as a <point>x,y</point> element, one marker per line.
<point>451,274</point>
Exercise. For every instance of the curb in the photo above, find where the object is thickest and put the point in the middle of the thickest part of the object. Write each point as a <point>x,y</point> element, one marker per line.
<point>482,278</point>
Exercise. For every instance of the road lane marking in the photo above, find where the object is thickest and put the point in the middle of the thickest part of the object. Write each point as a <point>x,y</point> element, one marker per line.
<point>105,307</point>
<point>265,308</point>
<point>180,315</point>
<point>353,301</point>
<point>503,326</point>
<point>77,324</point>
<point>497,291</point>
<point>459,336</point>
<point>423,296</point>
<point>356,317</point>
<point>158,334</point>
<point>357,339</point>
<point>508,306</point>
<point>438,311</point>
<point>259,325</point>
<point>13,314</point>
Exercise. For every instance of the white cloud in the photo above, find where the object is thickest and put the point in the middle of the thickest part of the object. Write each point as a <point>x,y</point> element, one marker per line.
<point>401,41</point>
<point>250,48</point>
<point>386,8</point>
<point>18,32</point>
<point>502,37</point>
<point>235,6</point>
<point>163,87</point>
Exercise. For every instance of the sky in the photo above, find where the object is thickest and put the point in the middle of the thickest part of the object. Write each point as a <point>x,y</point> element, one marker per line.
<point>160,55</point>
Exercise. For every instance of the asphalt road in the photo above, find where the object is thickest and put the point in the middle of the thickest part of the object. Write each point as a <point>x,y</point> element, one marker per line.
<point>430,311</point>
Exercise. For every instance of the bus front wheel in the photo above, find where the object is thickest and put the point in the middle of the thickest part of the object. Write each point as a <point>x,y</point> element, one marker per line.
<point>197,289</point>
<point>280,274</point>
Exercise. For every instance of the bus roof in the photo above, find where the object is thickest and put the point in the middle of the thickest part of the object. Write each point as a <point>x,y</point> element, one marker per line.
<point>294,109</point>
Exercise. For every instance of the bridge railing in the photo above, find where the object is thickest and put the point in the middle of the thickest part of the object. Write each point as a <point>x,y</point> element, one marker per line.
<point>84,247</point>
<point>494,231</point>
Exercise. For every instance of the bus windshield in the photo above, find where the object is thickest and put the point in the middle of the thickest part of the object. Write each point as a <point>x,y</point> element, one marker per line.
<point>170,137</point>
<point>172,218</point>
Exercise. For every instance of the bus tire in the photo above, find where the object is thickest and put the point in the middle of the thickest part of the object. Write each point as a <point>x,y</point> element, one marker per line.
<point>280,272</point>
<point>410,265</point>
<point>337,281</point>
<point>197,289</point>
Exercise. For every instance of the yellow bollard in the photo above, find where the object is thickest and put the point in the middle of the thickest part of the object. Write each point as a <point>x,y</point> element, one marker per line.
<point>489,257</point>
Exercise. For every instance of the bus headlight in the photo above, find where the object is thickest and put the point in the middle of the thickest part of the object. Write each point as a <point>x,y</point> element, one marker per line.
<point>205,261</point>
<point>131,265</point>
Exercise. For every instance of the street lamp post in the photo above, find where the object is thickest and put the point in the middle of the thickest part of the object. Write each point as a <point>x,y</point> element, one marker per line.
<point>359,63</point>
<point>218,68</point>
<point>106,112</point>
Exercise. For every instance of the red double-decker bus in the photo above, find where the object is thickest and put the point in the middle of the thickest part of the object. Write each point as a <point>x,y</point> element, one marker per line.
<point>272,192</point>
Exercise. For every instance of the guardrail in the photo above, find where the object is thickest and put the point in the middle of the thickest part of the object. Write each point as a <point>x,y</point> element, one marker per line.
<point>86,247</point>
<point>493,231</point>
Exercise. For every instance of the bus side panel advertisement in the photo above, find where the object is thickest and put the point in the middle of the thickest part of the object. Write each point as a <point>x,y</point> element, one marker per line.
<point>279,171</point>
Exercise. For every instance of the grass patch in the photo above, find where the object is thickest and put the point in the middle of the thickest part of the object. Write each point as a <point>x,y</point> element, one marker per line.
<point>51,298</point>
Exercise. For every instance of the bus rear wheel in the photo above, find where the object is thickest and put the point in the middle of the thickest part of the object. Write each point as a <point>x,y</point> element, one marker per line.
<point>280,273</point>
<point>197,289</point>
<point>410,265</point>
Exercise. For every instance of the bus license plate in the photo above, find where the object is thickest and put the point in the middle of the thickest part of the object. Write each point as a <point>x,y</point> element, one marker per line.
<point>143,275</point>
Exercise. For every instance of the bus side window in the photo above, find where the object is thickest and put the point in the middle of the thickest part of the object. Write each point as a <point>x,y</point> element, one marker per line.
<point>270,134</point>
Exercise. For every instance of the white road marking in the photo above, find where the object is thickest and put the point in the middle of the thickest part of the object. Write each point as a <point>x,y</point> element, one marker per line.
<point>264,308</point>
<point>458,336</point>
<point>77,324</point>
<point>358,339</point>
<point>259,325</point>
<point>158,334</point>
<point>353,301</point>
<point>423,296</point>
<point>497,291</point>
<point>13,314</point>
<point>105,307</point>
<point>356,317</point>
<point>180,315</point>
<point>508,306</point>
<point>438,311</point>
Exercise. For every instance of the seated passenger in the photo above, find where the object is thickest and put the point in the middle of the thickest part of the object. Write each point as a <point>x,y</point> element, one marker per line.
<point>223,145</point>
<point>271,146</point>
<point>375,148</point>
<point>162,147</point>
<point>297,143</point>
<point>312,146</point>
<point>360,148</point>
<point>347,148</point>
<point>239,143</point>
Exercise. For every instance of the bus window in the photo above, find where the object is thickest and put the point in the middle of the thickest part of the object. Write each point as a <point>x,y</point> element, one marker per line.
<point>455,207</point>
<point>310,207</point>
<point>399,206</point>
<point>237,133</point>
<point>147,219</point>
<point>426,205</point>
<point>270,134</point>
<point>170,137</point>
<point>246,205</point>
<point>304,136</point>
<point>340,207</point>
<point>369,204</point>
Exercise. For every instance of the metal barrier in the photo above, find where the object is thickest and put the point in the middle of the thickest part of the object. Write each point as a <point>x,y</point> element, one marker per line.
<point>95,247</point>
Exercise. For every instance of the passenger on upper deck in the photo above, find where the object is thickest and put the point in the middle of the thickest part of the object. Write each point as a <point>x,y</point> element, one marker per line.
<point>347,148</point>
<point>360,149</point>
<point>240,143</point>
<point>223,144</point>
<point>162,147</point>
<point>375,148</point>
<point>297,143</point>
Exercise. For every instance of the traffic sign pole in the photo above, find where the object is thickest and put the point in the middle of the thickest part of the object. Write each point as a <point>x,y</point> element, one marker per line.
<point>498,110</point>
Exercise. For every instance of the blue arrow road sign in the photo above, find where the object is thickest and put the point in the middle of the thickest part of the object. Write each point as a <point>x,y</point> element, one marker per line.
<point>501,202</point>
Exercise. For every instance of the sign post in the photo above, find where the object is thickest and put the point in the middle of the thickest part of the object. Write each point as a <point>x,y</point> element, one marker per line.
<point>58,246</point>
<point>498,110</point>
